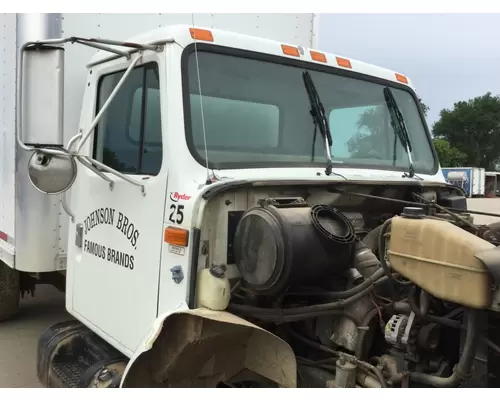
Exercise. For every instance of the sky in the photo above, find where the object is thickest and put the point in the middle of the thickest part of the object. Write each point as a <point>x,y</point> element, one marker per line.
<point>448,57</point>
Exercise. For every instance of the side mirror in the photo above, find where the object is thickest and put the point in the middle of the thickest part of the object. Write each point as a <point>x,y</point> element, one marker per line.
<point>52,174</point>
<point>41,114</point>
<point>42,110</point>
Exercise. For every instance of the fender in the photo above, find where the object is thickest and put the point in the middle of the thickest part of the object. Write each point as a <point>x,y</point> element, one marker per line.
<point>203,348</point>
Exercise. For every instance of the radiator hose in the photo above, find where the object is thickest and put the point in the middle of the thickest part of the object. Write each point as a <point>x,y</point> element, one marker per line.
<point>462,370</point>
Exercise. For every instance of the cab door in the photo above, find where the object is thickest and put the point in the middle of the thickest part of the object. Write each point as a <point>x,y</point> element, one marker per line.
<point>114,255</point>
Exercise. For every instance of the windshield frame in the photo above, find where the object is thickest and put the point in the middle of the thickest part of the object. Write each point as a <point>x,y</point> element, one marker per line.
<point>301,64</point>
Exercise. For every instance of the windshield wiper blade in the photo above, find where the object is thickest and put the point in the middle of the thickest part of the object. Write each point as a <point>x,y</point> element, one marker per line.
<point>320,119</point>
<point>399,126</point>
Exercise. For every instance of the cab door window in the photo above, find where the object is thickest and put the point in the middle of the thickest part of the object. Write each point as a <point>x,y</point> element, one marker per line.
<point>128,136</point>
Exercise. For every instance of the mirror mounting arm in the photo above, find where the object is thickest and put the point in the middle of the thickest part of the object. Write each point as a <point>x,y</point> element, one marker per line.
<point>97,165</point>
<point>50,156</point>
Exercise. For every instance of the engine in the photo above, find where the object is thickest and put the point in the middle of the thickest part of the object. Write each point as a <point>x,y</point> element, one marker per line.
<point>403,305</point>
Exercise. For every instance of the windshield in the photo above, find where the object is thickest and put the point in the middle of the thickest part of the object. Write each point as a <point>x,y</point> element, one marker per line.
<point>256,113</point>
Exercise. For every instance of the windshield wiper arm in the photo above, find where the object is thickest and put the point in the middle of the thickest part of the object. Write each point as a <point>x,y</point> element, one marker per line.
<point>319,117</point>
<point>398,124</point>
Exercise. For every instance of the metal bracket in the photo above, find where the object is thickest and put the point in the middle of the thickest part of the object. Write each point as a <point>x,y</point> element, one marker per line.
<point>409,325</point>
<point>67,210</point>
<point>92,164</point>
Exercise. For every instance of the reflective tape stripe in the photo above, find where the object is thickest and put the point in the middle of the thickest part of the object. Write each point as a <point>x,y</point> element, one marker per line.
<point>6,238</point>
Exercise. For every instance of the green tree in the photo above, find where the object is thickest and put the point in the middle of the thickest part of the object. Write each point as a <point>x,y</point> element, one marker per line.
<point>369,141</point>
<point>425,107</point>
<point>448,155</point>
<point>473,128</point>
<point>373,125</point>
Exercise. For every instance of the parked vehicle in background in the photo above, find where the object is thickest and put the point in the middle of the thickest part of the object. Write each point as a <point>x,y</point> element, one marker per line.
<point>471,180</point>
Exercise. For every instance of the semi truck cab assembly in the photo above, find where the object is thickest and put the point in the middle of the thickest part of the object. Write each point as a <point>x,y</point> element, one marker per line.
<point>248,212</point>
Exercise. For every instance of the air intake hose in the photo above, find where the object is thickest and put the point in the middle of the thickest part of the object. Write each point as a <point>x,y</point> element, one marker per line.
<point>365,261</point>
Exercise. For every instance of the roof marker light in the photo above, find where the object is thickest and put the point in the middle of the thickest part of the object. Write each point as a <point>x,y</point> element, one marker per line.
<point>343,62</point>
<point>290,50</point>
<point>401,78</point>
<point>317,56</point>
<point>201,34</point>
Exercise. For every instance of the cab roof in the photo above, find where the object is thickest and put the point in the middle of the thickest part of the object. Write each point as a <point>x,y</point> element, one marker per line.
<point>184,35</point>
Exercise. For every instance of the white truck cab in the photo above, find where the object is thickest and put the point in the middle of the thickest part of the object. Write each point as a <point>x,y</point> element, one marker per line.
<point>249,129</point>
<point>212,174</point>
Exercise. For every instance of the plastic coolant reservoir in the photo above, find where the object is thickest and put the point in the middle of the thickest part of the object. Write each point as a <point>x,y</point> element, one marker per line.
<point>212,289</point>
<point>439,257</point>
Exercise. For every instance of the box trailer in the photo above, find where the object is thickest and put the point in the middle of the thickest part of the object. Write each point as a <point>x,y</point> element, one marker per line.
<point>471,180</point>
<point>229,203</point>
<point>491,184</point>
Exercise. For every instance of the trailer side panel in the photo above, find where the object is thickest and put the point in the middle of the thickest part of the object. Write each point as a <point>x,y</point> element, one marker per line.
<point>38,216</point>
<point>7,122</point>
<point>7,138</point>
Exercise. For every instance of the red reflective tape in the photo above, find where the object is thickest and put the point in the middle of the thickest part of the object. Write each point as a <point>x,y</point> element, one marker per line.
<point>3,236</point>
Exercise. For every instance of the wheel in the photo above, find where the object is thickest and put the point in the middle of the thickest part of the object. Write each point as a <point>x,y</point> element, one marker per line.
<point>9,292</point>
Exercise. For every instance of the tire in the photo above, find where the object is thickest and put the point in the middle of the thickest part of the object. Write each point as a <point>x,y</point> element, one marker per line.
<point>9,292</point>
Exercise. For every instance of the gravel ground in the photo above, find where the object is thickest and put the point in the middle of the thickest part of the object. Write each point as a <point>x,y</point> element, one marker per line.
<point>19,337</point>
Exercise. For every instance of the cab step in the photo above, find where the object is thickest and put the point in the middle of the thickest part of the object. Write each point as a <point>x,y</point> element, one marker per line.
<point>70,355</point>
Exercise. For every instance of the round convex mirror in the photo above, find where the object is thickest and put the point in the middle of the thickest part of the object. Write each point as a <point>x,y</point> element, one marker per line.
<point>51,174</point>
